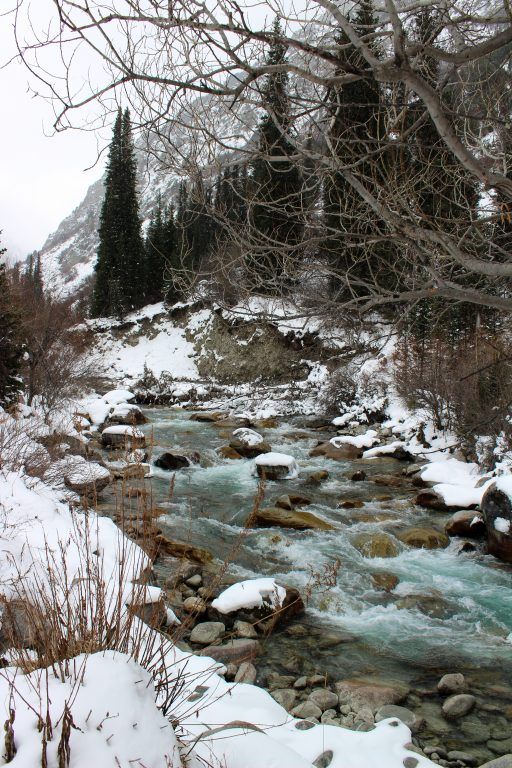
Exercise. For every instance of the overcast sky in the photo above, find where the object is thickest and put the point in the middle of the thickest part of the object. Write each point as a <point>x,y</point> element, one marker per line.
<point>42,176</point>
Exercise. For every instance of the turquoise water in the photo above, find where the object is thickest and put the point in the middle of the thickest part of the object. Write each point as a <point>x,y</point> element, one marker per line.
<point>461,612</point>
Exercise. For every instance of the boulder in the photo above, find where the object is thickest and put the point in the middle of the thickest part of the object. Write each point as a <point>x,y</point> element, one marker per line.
<point>343,452</point>
<point>207,632</point>
<point>286,697</point>
<point>228,453</point>
<point>375,545</point>
<point>497,512</point>
<point>430,605</point>
<point>126,414</point>
<point>350,504</point>
<point>276,466</point>
<point>385,581</point>
<point>458,705</point>
<point>317,477</point>
<point>374,695</point>
<point>424,538</point>
<point>208,417</point>
<point>179,549</point>
<point>194,605</point>
<point>172,461</point>
<point>388,480</point>
<point>234,651</point>
<point>431,500</point>
<point>453,682</point>
<point>250,451</point>
<point>284,518</point>
<point>505,761</point>
<point>244,629</point>
<point>466,523</point>
<point>412,721</point>
<point>358,476</point>
<point>123,437</point>
<point>86,478</point>
<point>307,710</point>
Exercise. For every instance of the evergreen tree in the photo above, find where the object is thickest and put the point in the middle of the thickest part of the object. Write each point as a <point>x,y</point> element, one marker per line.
<point>354,244</point>
<point>156,255</point>
<point>276,183</point>
<point>120,263</point>
<point>11,349</point>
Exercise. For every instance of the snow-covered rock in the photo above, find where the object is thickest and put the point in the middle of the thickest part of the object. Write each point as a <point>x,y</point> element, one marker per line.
<point>252,593</point>
<point>369,439</point>
<point>497,511</point>
<point>123,436</point>
<point>276,466</point>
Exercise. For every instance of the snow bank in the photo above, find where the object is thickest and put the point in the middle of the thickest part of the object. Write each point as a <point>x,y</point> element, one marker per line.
<point>112,702</point>
<point>253,593</point>
<point>383,450</point>
<point>451,471</point>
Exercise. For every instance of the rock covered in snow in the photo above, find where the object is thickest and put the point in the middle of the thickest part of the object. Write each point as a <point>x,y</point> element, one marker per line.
<point>249,443</point>
<point>466,523</point>
<point>369,439</point>
<point>497,511</point>
<point>124,437</point>
<point>276,466</point>
<point>252,593</point>
<point>86,477</point>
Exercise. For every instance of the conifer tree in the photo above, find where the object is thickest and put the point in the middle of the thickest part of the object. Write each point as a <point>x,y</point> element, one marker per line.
<point>156,255</point>
<point>120,263</point>
<point>11,348</point>
<point>276,183</point>
<point>356,129</point>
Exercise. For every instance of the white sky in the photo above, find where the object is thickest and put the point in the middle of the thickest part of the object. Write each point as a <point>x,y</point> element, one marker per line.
<point>42,177</point>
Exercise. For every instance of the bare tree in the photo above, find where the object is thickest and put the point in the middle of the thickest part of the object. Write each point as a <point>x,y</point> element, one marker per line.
<point>194,73</point>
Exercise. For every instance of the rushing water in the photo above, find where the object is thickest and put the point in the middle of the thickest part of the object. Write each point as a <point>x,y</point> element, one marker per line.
<point>458,620</point>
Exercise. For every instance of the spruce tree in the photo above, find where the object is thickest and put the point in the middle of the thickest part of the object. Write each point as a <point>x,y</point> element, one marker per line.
<point>120,263</point>
<point>156,255</point>
<point>11,348</point>
<point>356,129</point>
<point>276,183</point>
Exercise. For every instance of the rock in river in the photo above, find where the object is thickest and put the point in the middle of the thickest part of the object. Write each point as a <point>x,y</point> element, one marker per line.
<point>376,545</point>
<point>276,466</point>
<point>466,523</point>
<point>424,538</point>
<point>286,518</point>
<point>458,706</point>
<point>497,511</point>
<point>172,461</point>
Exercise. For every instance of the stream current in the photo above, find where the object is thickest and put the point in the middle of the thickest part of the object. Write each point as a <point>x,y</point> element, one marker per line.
<point>451,611</point>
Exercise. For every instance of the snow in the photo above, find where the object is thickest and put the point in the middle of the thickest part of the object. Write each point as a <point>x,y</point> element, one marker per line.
<point>383,450</point>
<point>274,459</point>
<point>451,471</point>
<point>112,702</point>
<point>117,396</point>
<point>77,470</point>
<point>502,525</point>
<point>123,429</point>
<point>359,441</point>
<point>253,593</point>
<point>97,411</point>
<point>461,496</point>
<point>248,437</point>
<point>504,484</point>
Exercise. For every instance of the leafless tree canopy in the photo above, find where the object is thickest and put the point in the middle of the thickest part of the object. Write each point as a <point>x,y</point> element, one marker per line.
<point>193,73</point>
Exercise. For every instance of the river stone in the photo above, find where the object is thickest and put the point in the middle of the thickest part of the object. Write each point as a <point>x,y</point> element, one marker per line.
<point>497,506</point>
<point>207,632</point>
<point>301,683</point>
<point>410,762</point>
<point>129,439</point>
<point>362,693</point>
<point>343,453</point>
<point>458,705</point>
<point>284,502</point>
<point>375,545</point>
<point>385,581</point>
<point>475,730</point>
<point>453,682</point>
<point>424,538</point>
<point>283,518</point>
<point>430,605</point>
<point>323,698</point>
<point>297,499</point>
<point>505,761</point>
<point>249,451</point>
<point>350,504</point>
<point>234,651</point>
<point>500,747</point>
<point>246,673</point>
<point>194,605</point>
<point>358,476</point>
<point>286,697</point>
<point>128,415</point>
<point>179,549</point>
<point>172,461</point>
<point>194,581</point>
<point>466,523</point>
<point>431,500</point>
<point>317,477</point>
<point>389,480</point>
<point>276,680</point>
<point>412,721</point>
<point>464,757</point>
<point>307,709</point>
<point>244,629</point>
<point>324,760</point>
<point>208,417</point>
<point>227,452</point>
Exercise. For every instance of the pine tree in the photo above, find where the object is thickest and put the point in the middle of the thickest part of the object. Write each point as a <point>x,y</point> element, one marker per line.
<point>156,255</point>
<point>11,348</point>
<point>355,115</point>
<point>276,183</point>
<point>120,263</point>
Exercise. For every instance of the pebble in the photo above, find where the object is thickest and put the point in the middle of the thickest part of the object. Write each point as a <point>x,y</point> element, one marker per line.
<point>502,747</point>
<point>324,760</point>
<point>286,697</point>
<point>452,683</point>
<point>329,714</point>
<point>403,714</point>
<point>195,581</point>
<point>464,757</point>
<point>458,706</point>
<point>244,629</point>
<point>275,680</point>
<point>317,680</point>
<point>307,710</point>
<point>207,632</point>
<point>246,673</point>
<point>324,698</point>
<point>194,605</point>
<point>231,670</point>
<point>300,683</point>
